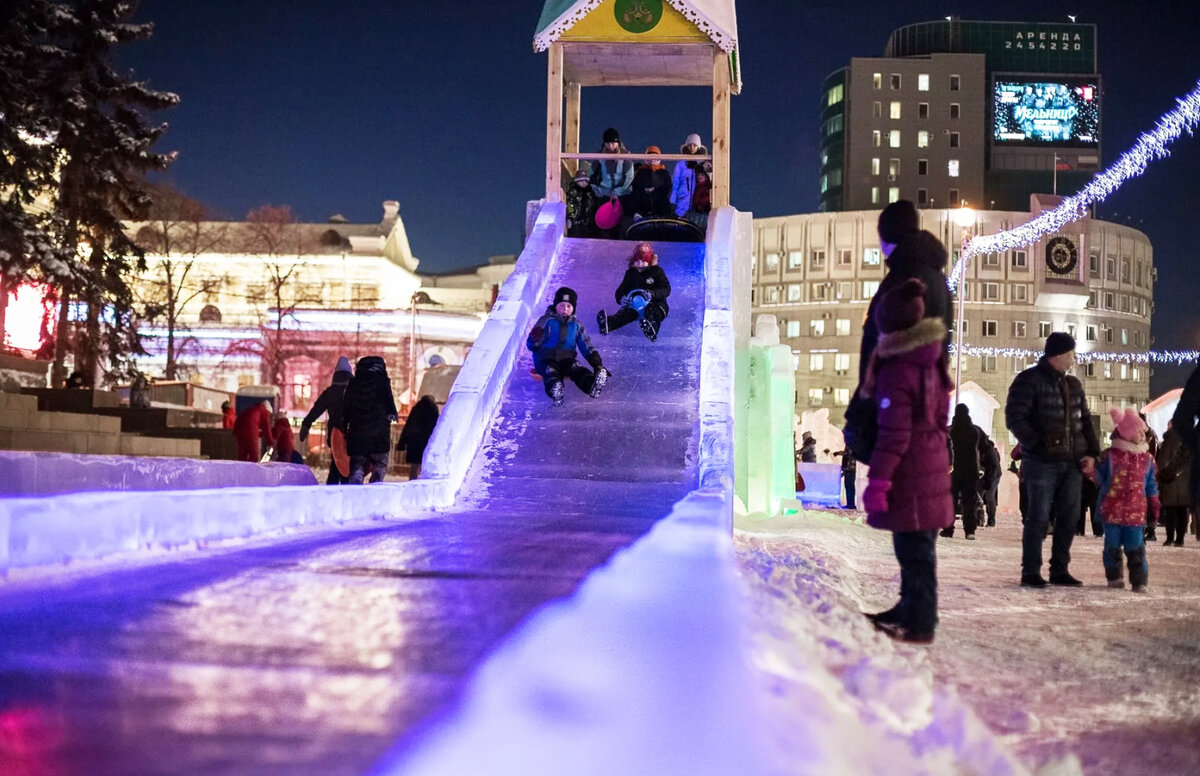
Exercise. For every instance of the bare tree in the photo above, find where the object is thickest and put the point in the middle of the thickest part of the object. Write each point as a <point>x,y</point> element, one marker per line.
<point>177,232</point>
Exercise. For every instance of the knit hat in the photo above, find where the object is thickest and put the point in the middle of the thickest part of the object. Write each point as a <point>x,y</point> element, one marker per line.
<point>1128,424</point>
<point>612,136</point>
<point>653,150</point>
<point>901,308</point>
<point>568,295</point>
<point>692,139</point>
<point>897,220</point>
<point>1059,342</point>
<point>643,250</point>
<point>343,365</point>
<point>963,410</point>
<point>581,176</point>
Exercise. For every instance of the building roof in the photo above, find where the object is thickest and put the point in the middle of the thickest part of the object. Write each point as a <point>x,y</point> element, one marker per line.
<point>715,18</point>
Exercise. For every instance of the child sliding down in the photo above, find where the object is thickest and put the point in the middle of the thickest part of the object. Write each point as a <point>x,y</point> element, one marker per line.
<point>642,294</point>
<point>553,341</point>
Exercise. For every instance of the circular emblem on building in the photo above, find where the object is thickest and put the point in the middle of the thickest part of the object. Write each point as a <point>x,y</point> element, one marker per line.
<point>1061,256</point>
<point>638,16</point>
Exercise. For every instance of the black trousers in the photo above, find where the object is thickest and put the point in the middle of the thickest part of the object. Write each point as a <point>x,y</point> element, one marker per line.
<point>966,499</point>
<point>556,371</point>
<point>1175,521</point>
<point>917,554</point>
<point>848,478</point>
<point>654,312</point>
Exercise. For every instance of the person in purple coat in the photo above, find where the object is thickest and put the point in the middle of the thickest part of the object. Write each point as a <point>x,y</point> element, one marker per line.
<point>908,482</point>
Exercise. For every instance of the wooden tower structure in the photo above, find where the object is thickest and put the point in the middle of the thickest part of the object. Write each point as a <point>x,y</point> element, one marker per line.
<point>635,43</point>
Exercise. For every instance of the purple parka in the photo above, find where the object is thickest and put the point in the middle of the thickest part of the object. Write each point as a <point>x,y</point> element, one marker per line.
<point>910,387</point>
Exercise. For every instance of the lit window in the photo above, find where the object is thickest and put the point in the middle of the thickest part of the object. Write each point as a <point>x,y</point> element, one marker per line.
<point>841,396</point>
<point>923,82</point>
<point>876,138</point>
<point>794,291</point>
<point>793,328</point>
<point>1043,329</point>
<point>1124,371</point>
<point>815,396</point>
<point>816,328</point>
<point>952,168</point>
<point>1018,329</point>
<point>871,257</point>
<point>816,362</point>
<point>772,261</point>
<point>1124,339</point>
<point>894,138</point>
<point>874,195</point>
<point>922,139</point>
<point>893,169</point>
<point>844,289</point>
<point>820,292</point>
<point>893,194</point>
<point>877,80</point>
<point>875,165</point>
<point>842,328</point>
<point>795,259</point>
<point>987,363</point>
<point>818,260</point>
<point>869,288</point>
<point>894,110</point>
<point>841,362</point>
<point>834,95</point>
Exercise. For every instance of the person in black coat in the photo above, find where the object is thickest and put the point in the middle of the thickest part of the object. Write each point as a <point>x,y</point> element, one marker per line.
<point>967,442</point>
<point>645,285</point>
<point>330,401</point>
<point>368,411</point>
<point>1047,412</point>
<point>651,195</point>
<point>418,427</point>
<point>1184,422</point>
<point>990,483</point>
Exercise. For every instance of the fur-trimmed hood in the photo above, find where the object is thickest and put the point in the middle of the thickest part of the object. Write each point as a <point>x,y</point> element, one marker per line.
<point>924,335</point>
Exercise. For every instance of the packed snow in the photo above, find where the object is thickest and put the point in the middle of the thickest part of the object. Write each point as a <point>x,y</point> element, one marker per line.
<point>1054,682</point>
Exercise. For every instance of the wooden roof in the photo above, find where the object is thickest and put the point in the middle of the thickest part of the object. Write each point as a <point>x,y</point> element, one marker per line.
<point>678,52</point>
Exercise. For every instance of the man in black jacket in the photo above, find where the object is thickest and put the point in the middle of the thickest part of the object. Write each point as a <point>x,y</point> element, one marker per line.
<point>910,252</point>
<point>1184,422</point>
<point>330,401</point>
<point>368,412</point>
<point>966,440</point>
<point>1047,412</point>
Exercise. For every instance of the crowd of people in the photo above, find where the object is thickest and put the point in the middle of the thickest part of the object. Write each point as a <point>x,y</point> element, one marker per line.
<point>926,470</point>
<point>607,196</point>
<point>360,411</point>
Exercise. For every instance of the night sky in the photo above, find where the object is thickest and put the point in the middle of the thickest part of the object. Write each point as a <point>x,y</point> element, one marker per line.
<point>334,107</point>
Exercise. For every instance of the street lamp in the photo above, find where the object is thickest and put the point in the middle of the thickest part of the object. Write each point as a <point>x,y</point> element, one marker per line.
<point>965,218</point>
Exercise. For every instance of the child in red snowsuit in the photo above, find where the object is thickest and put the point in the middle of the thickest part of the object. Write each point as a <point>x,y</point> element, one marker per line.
<point>1127,482</point>
<point>252,423</point>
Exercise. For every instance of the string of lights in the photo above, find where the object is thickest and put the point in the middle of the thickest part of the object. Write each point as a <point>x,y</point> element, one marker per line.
<point>1176,357</point>
<point>1149,147</point>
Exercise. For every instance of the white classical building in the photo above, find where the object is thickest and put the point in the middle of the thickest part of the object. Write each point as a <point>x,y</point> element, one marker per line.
<point>817,273</point>
<point>343,289</point>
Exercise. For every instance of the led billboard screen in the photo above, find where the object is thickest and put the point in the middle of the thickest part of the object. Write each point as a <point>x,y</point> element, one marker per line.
<point>1062,111</point>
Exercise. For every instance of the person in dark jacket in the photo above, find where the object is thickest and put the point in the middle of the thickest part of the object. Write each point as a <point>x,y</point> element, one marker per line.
<point>651,193</point>
<point>368,410</point>
<point>849,474</point>
<point>418,427</point>
<point>1174,484</point>
<point>808,448</point>
<point>990,482</point>
<point>581,205</point>
<point>330,401</point>
<point>553,341</point>
<point>910,253</point>
<point>908,482</point>
<point>251,424</point>
<point>642,294</point>
<point>966,440</point>
<point>1047,412</point>
<point>1184,421</point>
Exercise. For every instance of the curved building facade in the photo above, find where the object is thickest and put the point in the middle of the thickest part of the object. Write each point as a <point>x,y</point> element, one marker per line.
<point>817,273</point>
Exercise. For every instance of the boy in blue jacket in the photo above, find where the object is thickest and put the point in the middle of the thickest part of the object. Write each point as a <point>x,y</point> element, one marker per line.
<point>553,341</point>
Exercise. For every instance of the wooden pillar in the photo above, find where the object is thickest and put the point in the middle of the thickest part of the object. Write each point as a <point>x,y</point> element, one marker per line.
<point>720,128</point>
<point>572,126</point>
<point>554,123</point>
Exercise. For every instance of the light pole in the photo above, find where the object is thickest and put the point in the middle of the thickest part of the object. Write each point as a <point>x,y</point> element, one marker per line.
<point>965,218</point>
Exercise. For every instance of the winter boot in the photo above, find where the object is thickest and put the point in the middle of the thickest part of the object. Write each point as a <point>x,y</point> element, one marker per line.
<point>649,328</point>
<point>602,322</point>
<point>1117,584</point>
<point>1138,570</point>
<point>556,393</point>
<point>598,382</point>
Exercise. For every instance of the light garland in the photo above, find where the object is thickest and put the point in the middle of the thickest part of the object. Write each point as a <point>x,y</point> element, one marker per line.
<point>1176,357</point>
<point>1149,146</point>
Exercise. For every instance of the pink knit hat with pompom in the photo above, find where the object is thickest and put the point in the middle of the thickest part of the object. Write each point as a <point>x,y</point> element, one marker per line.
<point>1128,424</point>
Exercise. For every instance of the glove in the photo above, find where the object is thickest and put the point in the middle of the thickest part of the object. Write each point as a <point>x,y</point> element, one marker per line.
<point>1155,507</point>
<point>594,359</point>
<point>875,497</point>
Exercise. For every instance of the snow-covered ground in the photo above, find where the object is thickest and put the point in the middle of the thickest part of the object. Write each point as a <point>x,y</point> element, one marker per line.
<point>1052,682</point>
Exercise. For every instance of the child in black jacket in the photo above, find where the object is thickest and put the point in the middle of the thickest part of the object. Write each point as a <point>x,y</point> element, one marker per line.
<point>642,294</point>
